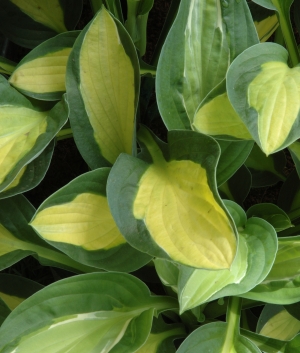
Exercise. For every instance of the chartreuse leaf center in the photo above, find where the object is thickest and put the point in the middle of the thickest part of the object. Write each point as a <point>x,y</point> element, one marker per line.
<point>107,87</point>
<point>44,74</point>
<point>275,95</point>
<point>19,129</point>
<point>181,213</point>
<point>80,222</point>
<point>49,13</point>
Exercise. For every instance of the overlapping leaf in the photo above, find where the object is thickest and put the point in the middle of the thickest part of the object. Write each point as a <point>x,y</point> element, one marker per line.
<point>95,312</point>
<point>168,206</point>
<point>264,91</point>
<point>18,240</point>
<point>257,245</point>
<point>29,23</point>
<point>41,73</point>
<point>282,285</point>
<point>102,87</point>
<point>24,131</point>
<point>77,221</point>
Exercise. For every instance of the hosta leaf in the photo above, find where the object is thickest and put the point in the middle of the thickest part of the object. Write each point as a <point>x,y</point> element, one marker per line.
<point>29,23</point>
<point>96,312</point>
<point>18,240</point>
<point>276,322</point>
<point>168,272</point>
<point>198,33</point>
<point>30,175</point>
<point>24,131</point>
<point>247,270</point>
<point>282,285</point>
<point>294,149</point>
<point>161,337</point>
<point>41,73</point>
<point>6,66</point>
<point>102,87</point>
<point>237,187</point>
<point>77,220</point>
<point>272,214</point>
<point>265,21</point>
<point>264,92</point>
<point>170,201</point>
<point>211,338</point>
<point>265,171</point>
<point>233,155</point>
<point>15,289</point>
<point>196,287</point>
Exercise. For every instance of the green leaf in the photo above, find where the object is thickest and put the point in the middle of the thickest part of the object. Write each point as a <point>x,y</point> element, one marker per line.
<point>237,213</point>
<point>282,285</point>
<point>233,155</point>
<point>15,289</point>
<point>265,170</point>
<point>102,86</point>
<point>24,131</point>
<point>4,311</point>
<point>272,214</point>
<point>76,220</point>
<point>215,116</point>
<point>266,21</point>
<point>18,240</point>
<point>29,23</point>
<point>88,313</point>
<point>31,174</point>
<point>6,66</point>
<point>254,259</point>
<point>276,322</point>
<point>211,338</point>
<point>41,73</point>
<point>170,201</point>
<point>168,273</point>
<point>237,187</point>
<point>198,33</point>
<point>162,336</point>
<point>264,92</point>
<point>136,23</point>
<point>294,149</point>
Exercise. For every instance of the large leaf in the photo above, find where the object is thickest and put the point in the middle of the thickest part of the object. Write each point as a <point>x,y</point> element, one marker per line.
<point>24,131</point>
<point>41,73</point>
<point>198,33</point>
<point>212,337</point>
<point>18,240</point>
<point>264,92</point>
<point>282,285</point>
<point>96,312</point>
<point>29,23</point>
<point>102,87</point>
<point>168,205</point>
<point>76,220</point>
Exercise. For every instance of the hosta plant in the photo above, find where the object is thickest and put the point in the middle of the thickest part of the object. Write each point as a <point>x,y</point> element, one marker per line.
<point>163,253</point>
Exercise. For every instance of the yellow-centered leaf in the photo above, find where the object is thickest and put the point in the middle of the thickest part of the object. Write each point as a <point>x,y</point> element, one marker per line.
<point>86,221</point>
